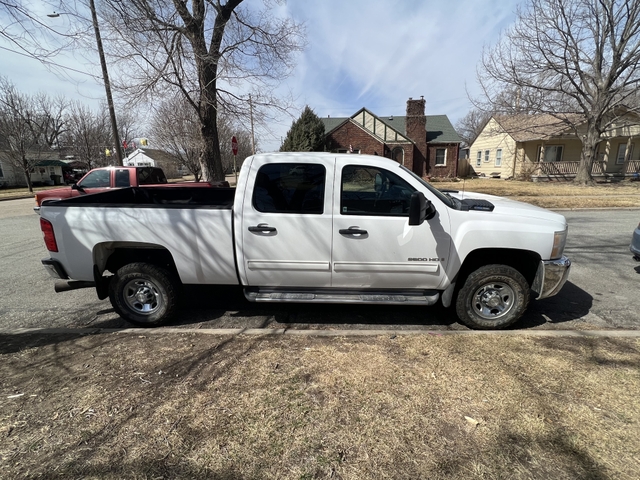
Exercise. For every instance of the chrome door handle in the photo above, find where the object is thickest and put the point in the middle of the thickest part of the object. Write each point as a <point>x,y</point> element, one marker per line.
<point>262,228</point>
<point>352,231</point>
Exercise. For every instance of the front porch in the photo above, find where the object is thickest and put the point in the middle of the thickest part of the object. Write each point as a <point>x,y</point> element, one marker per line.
<point>564,171</point>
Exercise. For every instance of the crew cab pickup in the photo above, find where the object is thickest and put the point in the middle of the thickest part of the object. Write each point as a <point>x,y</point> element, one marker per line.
<point>310,227</point>
<point>105,178</point>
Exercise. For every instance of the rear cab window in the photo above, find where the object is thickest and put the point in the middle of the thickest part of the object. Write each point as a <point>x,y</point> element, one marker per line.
<point>151,176</point>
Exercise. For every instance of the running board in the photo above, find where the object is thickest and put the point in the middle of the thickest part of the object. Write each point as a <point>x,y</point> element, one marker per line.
<point>340,296</point>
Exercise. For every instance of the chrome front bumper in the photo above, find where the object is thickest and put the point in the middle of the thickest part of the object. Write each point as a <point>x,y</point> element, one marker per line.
<point>551,276</point>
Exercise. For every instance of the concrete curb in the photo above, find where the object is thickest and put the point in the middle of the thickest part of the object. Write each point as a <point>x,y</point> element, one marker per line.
<point>323,333</point>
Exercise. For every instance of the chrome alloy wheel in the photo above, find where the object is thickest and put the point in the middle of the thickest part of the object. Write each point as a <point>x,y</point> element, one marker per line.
<point>142,296</point>
<point>493,300</point>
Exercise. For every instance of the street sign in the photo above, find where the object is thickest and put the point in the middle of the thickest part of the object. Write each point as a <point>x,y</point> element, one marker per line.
<point>234,145</point>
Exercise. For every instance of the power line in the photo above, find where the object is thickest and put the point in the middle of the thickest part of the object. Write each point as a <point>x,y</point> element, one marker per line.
<point>48,62</point>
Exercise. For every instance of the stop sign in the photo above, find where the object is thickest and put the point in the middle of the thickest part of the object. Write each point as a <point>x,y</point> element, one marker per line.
<point>234,145</point>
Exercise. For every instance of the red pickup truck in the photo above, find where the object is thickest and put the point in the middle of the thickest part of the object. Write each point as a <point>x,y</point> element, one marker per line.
<point>106,178</point>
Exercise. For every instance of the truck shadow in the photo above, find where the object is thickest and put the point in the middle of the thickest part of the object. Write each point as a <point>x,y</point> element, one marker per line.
<point>226,307</point>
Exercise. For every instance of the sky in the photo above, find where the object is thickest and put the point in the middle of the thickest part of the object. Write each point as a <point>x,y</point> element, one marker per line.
<point>360,53</point>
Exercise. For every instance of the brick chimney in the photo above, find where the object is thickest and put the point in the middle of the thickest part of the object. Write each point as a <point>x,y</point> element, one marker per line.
<point>416,128</point>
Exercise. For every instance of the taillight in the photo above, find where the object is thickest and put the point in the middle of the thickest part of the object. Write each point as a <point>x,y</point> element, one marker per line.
<point>49,236</point>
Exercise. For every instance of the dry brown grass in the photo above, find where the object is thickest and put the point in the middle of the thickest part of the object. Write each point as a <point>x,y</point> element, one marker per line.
<point>190,406</point>
<point>554,194</point>
<point>21,192</point>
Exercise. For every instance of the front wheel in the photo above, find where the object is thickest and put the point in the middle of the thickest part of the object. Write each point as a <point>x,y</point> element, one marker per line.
<point>494,296</point>
<point>144,294</point>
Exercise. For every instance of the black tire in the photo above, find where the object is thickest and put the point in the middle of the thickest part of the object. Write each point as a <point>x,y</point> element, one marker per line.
<point>492,297</point>
<point>144,294</point>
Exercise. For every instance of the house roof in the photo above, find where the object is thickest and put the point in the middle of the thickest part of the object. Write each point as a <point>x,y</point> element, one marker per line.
<point>154,154</point>
<point>439,128</point>
<point>525,127</point>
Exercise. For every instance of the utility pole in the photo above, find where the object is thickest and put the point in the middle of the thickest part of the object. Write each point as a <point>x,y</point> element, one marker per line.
<point>107,84</point>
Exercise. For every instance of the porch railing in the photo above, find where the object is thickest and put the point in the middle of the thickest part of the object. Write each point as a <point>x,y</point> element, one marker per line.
<point>570,169</point>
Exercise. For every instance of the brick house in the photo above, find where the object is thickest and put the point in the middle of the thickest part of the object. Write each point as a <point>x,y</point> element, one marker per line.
<point>426,144</point>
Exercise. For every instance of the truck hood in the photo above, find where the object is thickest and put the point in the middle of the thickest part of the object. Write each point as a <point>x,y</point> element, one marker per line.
<point>506,206</point>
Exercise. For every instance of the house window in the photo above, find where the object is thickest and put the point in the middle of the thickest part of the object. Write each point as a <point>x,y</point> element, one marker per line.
<point>479,158</point>
<point>552,153</point>
<point>499,157</point>
<point>1,172</point>
<point>486,155</point>
<point>441,157</point>
<point>621,153</point>
<point>398,155</point>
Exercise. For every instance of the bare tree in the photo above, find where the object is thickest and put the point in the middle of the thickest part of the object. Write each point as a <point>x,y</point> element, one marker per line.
<point>43,39</point>
<point>176,129</point>
<point>470,126</point>
<point>128,127</point>
<point>30,125</point>
<point>213,53</point>
<point>577,60</point>
<point>88,135</point>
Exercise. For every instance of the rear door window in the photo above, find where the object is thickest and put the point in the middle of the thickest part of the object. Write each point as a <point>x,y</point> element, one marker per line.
<point>122,178</point>
<point>290,188</point>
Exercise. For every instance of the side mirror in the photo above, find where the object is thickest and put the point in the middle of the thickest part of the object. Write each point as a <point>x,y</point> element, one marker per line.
<point>420,209</point>
<point>75,186</point>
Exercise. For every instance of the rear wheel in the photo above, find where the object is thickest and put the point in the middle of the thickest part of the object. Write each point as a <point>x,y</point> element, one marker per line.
<point>144,294</point>
<point>492,297</point>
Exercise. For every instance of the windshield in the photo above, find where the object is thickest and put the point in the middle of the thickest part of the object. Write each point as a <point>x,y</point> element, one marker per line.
<point>446,199</point>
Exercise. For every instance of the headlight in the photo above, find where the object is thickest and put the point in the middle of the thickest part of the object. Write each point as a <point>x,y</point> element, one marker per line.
<point>559,240</point>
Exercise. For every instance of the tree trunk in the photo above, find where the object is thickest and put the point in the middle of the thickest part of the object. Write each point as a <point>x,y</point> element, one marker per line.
<point>210,158</point>
<point>588,156</point>
<point>27,174</point>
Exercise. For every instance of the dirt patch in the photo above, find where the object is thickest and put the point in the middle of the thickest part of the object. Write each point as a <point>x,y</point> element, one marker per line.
<point>198,406</point>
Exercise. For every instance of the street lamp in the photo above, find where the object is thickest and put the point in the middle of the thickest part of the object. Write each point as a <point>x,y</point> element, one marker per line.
<point>105,77</point>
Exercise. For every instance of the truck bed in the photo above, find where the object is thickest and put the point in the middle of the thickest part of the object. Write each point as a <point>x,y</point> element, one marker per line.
<point>193,224</point>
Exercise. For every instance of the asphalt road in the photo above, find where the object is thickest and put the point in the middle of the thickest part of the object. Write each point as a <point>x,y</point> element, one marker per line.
<point>602,292</point>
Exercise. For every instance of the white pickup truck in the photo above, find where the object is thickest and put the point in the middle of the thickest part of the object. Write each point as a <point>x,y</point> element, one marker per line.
<point>310,227</point>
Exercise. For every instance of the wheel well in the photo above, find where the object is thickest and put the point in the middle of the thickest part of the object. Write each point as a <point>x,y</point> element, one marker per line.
<point>525,261</point>
<point>113,256</point>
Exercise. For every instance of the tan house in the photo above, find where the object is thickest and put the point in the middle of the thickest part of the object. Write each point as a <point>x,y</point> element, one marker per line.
<point>542,147</point>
